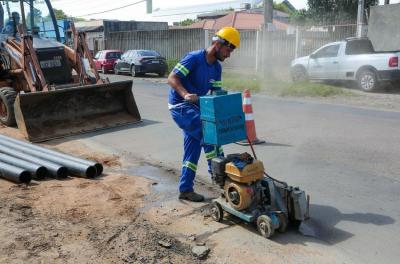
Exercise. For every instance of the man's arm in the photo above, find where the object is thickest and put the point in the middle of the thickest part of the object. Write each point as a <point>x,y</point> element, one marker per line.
<point>175,82</point>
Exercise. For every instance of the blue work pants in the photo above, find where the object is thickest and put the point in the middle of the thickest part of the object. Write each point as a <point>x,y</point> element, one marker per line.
<point>187,117</point>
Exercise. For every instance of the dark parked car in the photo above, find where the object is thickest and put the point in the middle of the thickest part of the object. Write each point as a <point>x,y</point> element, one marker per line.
<point>138,62</point>
<point>105,59</point>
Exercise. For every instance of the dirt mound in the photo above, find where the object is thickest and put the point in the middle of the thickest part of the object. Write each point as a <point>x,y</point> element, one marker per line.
<point>79,149</point>
<point>81,221</point>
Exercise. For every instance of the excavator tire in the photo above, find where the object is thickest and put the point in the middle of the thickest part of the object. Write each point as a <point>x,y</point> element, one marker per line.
<point>7,99</point>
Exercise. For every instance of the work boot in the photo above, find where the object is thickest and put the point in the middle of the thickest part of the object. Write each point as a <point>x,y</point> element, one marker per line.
<point>191,196</point>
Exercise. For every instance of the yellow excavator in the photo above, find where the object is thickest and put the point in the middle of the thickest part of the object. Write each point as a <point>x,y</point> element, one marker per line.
<point>49,89</point>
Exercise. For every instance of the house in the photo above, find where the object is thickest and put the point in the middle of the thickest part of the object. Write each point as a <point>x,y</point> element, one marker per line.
<point>241,20</point>
<point>98,31</point>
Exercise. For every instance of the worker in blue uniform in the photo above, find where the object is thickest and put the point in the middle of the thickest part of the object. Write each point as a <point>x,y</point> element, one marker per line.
<point>198,73</point>
<point>10,27</point>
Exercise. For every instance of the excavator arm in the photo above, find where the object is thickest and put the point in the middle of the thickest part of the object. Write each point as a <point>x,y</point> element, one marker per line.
<point>78,54</point>
<point>24,56</point>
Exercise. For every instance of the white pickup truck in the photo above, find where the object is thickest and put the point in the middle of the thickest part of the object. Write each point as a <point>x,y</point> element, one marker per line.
<point>353,59</point>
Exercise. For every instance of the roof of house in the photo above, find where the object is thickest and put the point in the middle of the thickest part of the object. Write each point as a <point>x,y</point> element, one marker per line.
<point>239,20</point>
<point>213,15</point>
<point>91,29</point>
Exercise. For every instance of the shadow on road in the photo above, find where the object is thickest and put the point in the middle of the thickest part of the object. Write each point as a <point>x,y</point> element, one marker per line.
<point>143,123</point>
<point>269,144</point>
<point>322,225</point>
<point>320,228</point>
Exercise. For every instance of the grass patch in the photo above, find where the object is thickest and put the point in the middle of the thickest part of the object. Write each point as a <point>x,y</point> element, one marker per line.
<point>171,64</point>
<point>303,89</point>
<point>235,81</point>
<point>239,82</point>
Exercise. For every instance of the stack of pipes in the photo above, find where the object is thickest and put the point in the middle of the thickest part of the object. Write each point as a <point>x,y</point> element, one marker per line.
<point>21,161</point>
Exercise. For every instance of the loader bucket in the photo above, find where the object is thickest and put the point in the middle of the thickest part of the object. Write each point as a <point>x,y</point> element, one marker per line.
<point>47,115</point>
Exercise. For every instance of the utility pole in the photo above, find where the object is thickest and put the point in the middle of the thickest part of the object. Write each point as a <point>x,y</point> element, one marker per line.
<point>268,14</point>
<point>149,6</point>
<point>360,18</point>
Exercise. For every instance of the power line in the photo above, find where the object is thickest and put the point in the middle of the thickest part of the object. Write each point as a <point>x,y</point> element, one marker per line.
<point>185,13</point>
<point>113,9</point>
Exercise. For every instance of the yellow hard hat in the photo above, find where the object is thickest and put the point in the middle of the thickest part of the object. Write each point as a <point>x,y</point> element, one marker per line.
<point>230,35</point>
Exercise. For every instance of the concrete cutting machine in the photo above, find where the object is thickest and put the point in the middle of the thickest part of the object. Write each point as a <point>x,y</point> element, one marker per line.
<point>247,191</point>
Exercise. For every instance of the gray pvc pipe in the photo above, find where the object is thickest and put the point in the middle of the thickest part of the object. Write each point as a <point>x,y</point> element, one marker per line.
<point>73,167</point>
<point>38,171</point>
<point>98,166</point>
<point>56,170</point>
<point>14,173</point>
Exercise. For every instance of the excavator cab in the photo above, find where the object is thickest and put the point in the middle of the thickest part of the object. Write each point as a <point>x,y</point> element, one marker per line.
<point>49,89</point>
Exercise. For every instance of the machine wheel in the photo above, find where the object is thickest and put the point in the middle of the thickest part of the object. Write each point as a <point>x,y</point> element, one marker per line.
<point>116,70</point>
<point>282,222</point>
<point>367,81</point>
<point>133,71</point>
<point>7,96</point>
<point>264,226</point>
<point>216,212</point>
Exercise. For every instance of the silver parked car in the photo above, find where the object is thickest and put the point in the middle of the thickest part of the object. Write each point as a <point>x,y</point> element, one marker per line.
<point>353,59</point>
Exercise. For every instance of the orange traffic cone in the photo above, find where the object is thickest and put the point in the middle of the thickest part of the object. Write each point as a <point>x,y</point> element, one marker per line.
<point>250,124</point>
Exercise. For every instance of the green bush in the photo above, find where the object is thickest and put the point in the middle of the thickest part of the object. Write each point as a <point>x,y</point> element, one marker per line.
<point>235,81</point>
<point>311,89</point>
<point>171,64</point>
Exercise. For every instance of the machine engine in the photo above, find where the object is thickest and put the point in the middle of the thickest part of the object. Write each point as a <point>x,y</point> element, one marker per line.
<point>53,61</point>
<point>245,188</point>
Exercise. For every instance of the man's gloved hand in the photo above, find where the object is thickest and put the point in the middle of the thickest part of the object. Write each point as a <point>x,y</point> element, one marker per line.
<point>192,98</point>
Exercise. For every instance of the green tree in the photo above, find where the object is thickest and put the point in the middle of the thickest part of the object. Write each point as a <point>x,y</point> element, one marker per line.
<point>59,14</point>
<point>37,14</point>
<point>77,19</point>
<point>186,22</point>
<point>334,11</point>
<point>300,17</point>
<point>282,7</point>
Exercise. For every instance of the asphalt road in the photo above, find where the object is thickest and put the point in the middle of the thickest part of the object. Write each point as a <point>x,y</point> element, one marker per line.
<point>346,158</point>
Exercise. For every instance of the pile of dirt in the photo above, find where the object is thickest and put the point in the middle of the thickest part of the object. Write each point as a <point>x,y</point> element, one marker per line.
<point>79,149</point>
<point>11,132</point>
<point>82,221</point>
